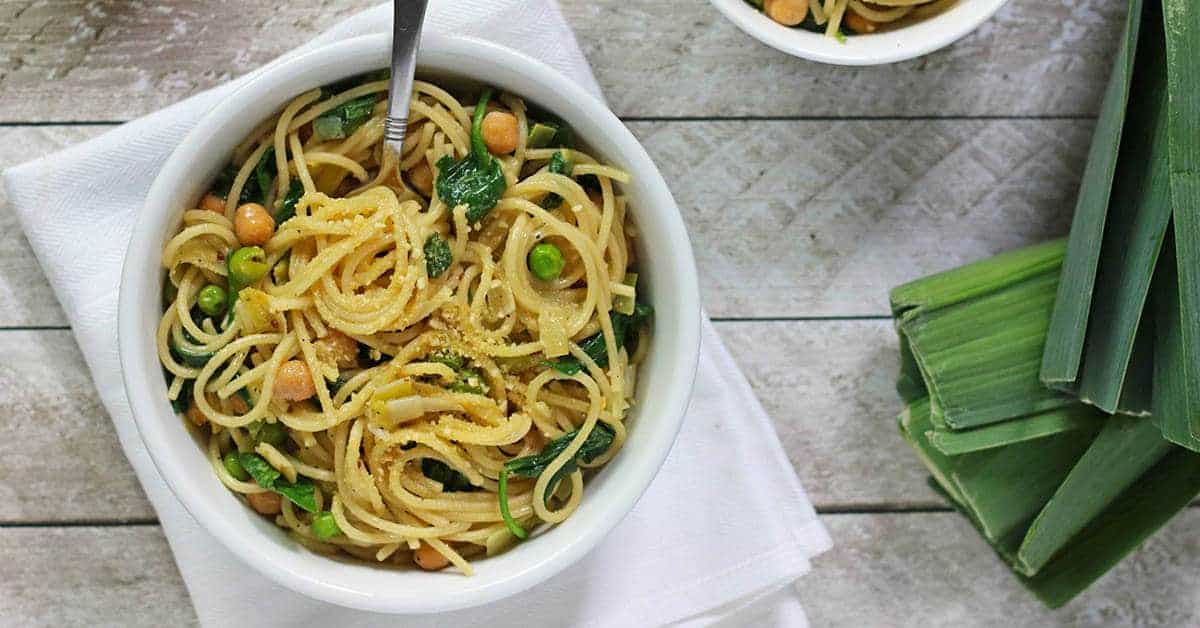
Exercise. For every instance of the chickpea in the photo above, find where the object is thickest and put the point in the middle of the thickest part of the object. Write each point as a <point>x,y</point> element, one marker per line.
<point>294,382</point>
<point>213,203</point>
<point>253,225</point>
<point>535,440</point>
<point>238,405</point>
<point>265,503</point>
<point>194,415</point>
<point>339,349</point>
<point>786,12</point>
<point>858,23</point>
<point>429,559</point>
<point>500,132</point>
<point>420,177</point>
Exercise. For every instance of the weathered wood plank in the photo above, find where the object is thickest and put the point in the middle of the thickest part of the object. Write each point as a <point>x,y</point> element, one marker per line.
<point>787,218</point>
<point>59,455</point>
<point>896,570</point>
<point>824,218</point>
<point>933,570</point>
<point>90,576</point>
<point>829,387</point>
<point>826,384</point>
<point>119,60</point>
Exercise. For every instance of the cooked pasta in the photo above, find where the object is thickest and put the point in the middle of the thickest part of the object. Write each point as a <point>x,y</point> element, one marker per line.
<point>860,17</point>
<point>413,356</point>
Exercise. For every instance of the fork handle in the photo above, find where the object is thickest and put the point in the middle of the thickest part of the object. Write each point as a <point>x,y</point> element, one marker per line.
<point>407,19</point>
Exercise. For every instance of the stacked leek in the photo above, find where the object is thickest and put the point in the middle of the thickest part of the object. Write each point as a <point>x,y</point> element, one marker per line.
<point>1054,392</point>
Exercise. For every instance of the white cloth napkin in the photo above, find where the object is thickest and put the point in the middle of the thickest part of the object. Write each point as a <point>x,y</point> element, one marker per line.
<point>718,538</point>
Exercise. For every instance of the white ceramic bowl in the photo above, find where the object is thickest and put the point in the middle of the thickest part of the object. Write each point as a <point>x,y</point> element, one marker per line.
<point>665,380</point>
<point>909,42</point>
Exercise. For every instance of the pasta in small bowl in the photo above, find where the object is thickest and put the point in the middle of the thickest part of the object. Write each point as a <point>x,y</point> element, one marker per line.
<point>409,382</point>
<point>858,32</point>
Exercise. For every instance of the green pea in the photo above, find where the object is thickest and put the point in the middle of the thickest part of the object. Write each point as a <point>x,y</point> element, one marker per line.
<point>246,266</point>
<point>546,261</point>
<point>211,300</point>
<point>274,434</point>
<point>325,526</point>
<point>230,460</point>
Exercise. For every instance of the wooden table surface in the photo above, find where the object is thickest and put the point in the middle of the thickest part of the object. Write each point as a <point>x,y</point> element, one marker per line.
<point>808,190</point>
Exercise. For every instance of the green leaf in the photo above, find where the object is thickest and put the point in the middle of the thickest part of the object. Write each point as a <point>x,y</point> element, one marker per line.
<point>452,481</point>
<point>452,359</point>
<point>1001,489</point>
<point>1124,451</point>
<point>597,442</point>
<point>477,180</point>
<point>469,380</point>
<point>1121,528</point>
<point>1065,339</point>
<point>287,209</point>
<point>1182,26</point>
<point>559,164</point>
<point>1138,213</point>
<point>224,180</point>
<point>343,120</point>
<point>594,345</point>
<point>184,400</point>
<point>1171,409</point>
<point>1033,427</point>
<point>302,492</point>
<point>976,336</point>
<point>264,175</point>
<point>263,473</point>
<point>438,256</point>
<point>509,522</point>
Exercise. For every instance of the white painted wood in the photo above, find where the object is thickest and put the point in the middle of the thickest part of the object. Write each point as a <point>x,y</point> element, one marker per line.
<point>824,218</point>
<point>59,456</point>
<point>787,218</point>
<point>933,570</point>
<point>118,60</point>
<point>919,570</point>
<point>90,576</point>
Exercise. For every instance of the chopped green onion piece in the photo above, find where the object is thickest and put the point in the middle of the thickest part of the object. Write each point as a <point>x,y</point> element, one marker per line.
<point>325,526</point>
<point>274,434</point>
<point>541,135</point>
<point>509,522</point>
<point>624,304</point>
<point>230,460</point>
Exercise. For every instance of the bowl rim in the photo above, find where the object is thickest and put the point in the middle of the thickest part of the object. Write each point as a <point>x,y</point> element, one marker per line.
<point>134,337</point>
<point>902,44</point>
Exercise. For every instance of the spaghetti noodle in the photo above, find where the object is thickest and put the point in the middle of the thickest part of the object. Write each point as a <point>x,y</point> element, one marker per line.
<point>387,375</point>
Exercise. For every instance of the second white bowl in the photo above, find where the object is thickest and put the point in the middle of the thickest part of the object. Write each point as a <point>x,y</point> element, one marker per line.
<point>908,42</point>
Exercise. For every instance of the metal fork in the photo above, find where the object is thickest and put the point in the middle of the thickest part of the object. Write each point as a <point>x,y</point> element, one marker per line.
<point>406,35</point>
